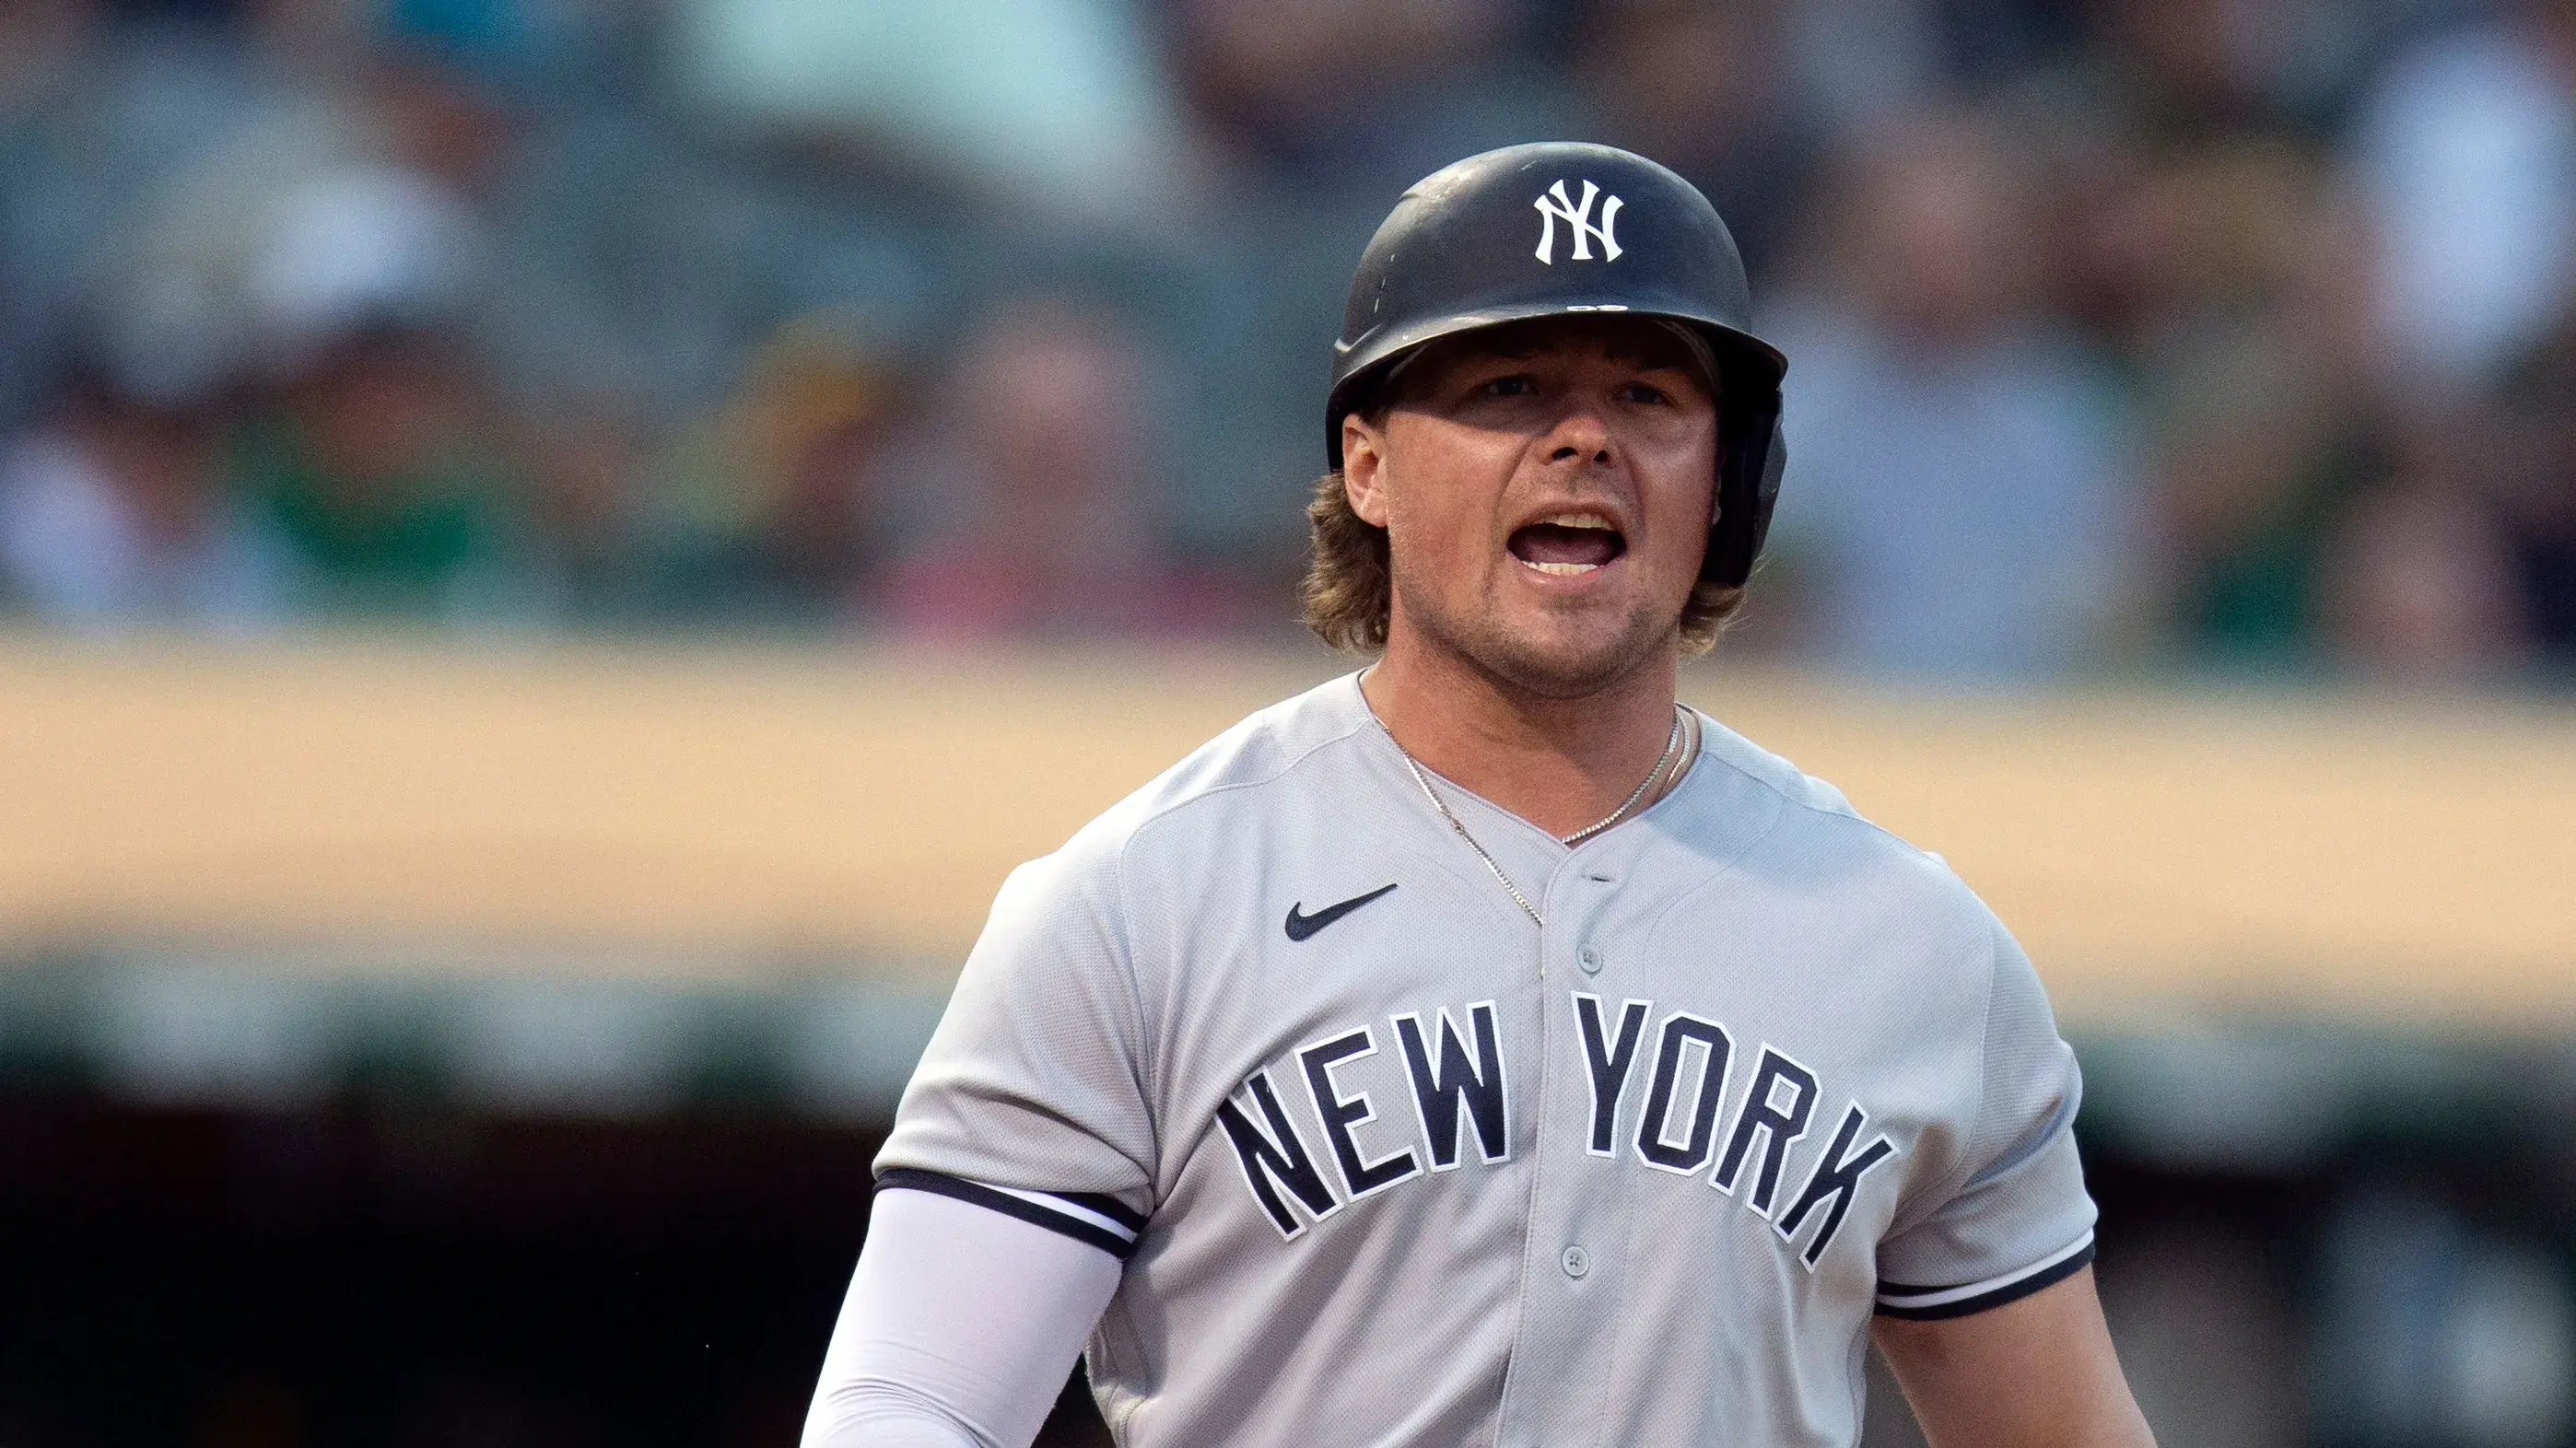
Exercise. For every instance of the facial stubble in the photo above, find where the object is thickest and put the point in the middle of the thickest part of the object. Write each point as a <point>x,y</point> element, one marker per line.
<point>1516,663</point>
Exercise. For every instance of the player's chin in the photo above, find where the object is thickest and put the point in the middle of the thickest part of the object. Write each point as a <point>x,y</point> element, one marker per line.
<point>1576,647</point>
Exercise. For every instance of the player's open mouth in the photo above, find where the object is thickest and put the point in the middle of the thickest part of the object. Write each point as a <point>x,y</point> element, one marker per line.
<point>1568,543</point>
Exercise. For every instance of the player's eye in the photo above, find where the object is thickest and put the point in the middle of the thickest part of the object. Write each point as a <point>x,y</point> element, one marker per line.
<point>1645,392</point>
<point>1513,384</point>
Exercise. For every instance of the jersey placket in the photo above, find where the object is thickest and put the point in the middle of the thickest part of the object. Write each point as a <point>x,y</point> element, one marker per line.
<point>1575,1246</point>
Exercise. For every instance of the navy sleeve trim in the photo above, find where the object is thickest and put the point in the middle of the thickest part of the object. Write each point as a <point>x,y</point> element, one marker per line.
<point>1931,1304</point>
<point>1087,1217</point>
<point>1107,1206</point>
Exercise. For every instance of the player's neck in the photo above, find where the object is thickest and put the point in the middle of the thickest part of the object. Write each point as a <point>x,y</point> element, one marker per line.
<point>1559,763</point>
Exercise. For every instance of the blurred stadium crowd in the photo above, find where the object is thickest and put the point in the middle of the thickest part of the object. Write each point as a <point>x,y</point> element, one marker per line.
<point>2228,334</point>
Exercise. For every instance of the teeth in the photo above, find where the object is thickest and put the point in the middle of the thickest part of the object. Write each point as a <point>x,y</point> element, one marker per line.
<point>1579,520</point>
<point>1562,567</point>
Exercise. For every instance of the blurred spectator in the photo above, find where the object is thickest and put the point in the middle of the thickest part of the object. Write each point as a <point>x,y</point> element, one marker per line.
<point>2467,149</point>
<point>582,459</point>
<point>374,462</point>
<point>2228,274</point>
<point>1960,498</point>
<point>112,516</point>
<point>43,44</point>
<point>1704,86</point>
<point>375,452</point>
<point>1360,95</point>
<point>1862,63</point>
<point>1034,498</point>
<point>2533,484</point>
<point>2419,578</point>
<point>96,115</point>
<point>2204,239</point>
<point>1052,107</point>
<point>771,505</point>
<point>2175,72</point>
<point>2262,430</point>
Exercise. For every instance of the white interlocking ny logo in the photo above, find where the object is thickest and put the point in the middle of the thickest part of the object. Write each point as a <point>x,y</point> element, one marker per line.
<point>1578,219</point>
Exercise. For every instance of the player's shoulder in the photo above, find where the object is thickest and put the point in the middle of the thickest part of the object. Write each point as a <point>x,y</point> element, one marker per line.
<point>1263,750</point>
<point>1259,752</point>
<point>1817,833</point>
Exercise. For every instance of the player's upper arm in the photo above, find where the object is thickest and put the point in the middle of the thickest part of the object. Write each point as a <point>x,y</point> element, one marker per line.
<point>2013,1216</point>
<point>2038,1372</point>
<point>958,1330</point>
<point>1031,1098</point>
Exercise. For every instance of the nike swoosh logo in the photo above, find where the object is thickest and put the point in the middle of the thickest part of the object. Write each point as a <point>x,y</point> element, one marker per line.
<point>1301,925</point>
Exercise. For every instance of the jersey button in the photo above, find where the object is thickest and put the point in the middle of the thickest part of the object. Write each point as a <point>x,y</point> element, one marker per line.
<point>1576,1261</point>
<point>1589,957</point>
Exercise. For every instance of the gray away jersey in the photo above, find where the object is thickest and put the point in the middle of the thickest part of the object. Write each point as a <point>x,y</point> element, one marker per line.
<point>1390,1164</point>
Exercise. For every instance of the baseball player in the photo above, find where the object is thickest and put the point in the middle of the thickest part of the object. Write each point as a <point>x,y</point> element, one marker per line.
<point>1482,1048</point>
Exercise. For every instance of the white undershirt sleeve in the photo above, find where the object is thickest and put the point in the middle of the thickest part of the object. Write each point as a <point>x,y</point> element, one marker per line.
<point>959,1329</point>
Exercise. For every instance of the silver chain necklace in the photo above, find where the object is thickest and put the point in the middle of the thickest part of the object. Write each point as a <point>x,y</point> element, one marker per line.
<point>1672,747</point>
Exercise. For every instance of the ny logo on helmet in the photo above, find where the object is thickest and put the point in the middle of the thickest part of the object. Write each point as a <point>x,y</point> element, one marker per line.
<point>1578,219</point>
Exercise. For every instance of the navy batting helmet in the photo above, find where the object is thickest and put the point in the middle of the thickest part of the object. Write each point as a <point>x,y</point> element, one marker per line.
<point>1562,228</point>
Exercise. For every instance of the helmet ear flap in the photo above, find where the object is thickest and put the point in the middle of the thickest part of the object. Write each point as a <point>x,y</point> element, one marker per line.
<point>1751,456</point>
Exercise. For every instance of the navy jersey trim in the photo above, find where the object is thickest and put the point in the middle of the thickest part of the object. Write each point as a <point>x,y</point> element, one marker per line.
<point>1108,1206</point>
<point>1931,1304</point>
<point>1087,1217</point>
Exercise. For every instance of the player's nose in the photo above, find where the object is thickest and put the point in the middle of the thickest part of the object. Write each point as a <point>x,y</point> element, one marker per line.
<point>1579,433</point>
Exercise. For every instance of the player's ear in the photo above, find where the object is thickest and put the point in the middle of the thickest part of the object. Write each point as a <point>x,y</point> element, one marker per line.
<point>1364,469</point>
